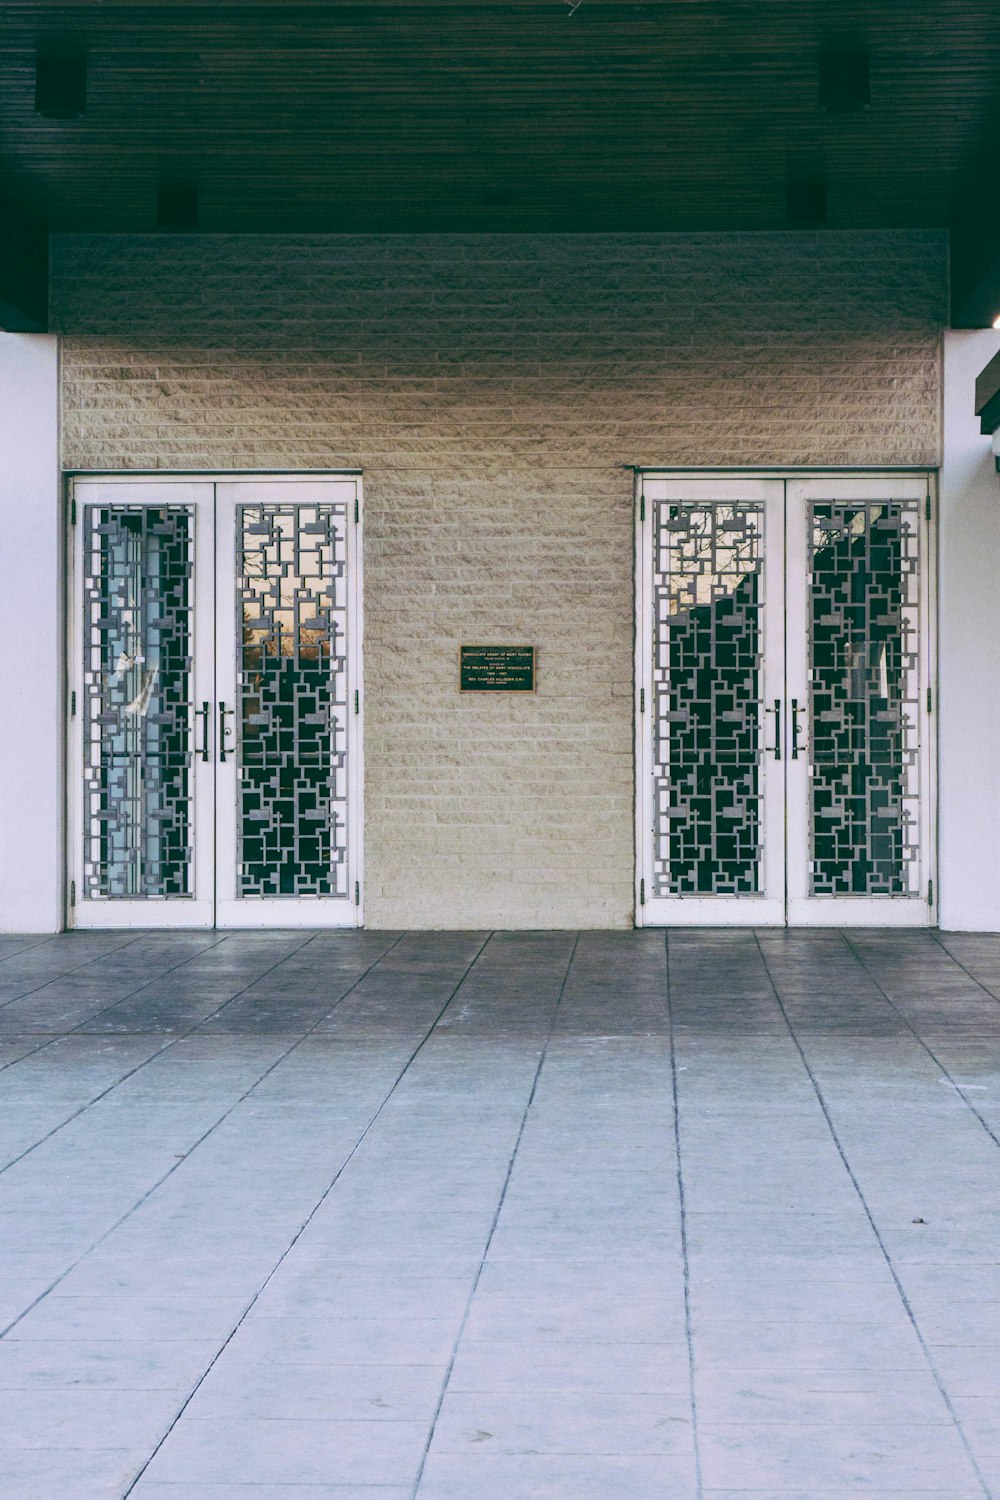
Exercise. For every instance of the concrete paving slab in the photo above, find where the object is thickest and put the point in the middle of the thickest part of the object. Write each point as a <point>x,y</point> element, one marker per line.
<point>459,1476</point>
<point>208,1450</point>
<point>862,1459</point>
<point>153,1490</point>
<point>494,1217</point>
<point>563,1422</point>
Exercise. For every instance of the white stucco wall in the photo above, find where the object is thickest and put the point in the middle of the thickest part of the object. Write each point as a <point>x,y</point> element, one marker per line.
<point>31,622</point>
<point>969,648</point>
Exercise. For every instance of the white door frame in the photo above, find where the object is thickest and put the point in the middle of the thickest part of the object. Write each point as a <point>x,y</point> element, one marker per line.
<point>202,908</point>
<point>797,908</point>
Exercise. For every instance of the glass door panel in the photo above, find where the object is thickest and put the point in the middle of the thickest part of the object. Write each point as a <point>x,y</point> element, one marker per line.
<point>710,664</point>
<point>141,848</point>
<point>859,652</point>
<point>288,847</point>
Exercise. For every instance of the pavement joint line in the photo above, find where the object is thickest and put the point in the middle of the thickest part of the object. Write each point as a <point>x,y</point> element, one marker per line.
<point>169,1042</point>
<point>418,1478</point>
<point>936,935</point>
<point>29,947</point>
<point>52,1041</point>
<point>220,942</point>
<point>119,948</point>
<point>172,1169</point>
<point>219,938</point>
<point>960,1089</point>
<point>82,1109</point>
<point>45,1040</point>
<point>855,1183</point>
<point>682,1205</point>
<point>258,977</point>
<point>311,938</point>
<point>320,1200</point>
<point>71,1031</point>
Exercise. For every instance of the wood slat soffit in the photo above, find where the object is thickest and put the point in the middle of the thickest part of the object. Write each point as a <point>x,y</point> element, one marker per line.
<point>539,115</point>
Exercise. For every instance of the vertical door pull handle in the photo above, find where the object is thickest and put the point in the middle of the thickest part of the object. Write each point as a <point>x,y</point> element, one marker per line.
<point>203,713</point>
<point>775,749</point>
<point>795,729</point>
<point>223,711</point>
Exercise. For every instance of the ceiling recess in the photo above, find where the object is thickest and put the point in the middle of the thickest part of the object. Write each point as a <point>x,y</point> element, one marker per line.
<point>60,79</point>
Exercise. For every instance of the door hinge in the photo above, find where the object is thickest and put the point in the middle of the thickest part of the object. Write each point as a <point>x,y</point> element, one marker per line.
<point>642,506</point>
<point>929,700</point>
<point>72,893</point>
<point>72,705</point>
<point>642,700</point>
<point>930,893</point>
<point>357,701</point>
<point>72,512</point>
<point>642,893</point>
<point>927,508</point>
<point>357,893</point>
<point>357,510</point>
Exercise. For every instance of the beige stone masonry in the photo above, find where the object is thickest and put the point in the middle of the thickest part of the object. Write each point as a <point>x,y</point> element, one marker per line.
<point>494,389</point>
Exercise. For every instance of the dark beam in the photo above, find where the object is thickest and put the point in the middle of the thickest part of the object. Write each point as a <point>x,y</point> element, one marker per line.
<point>24,273</point>
<point>975,260</point>
<point>988,396</point>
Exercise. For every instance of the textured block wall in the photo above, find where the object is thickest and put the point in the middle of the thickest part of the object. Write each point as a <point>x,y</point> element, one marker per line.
<point>494,388</point>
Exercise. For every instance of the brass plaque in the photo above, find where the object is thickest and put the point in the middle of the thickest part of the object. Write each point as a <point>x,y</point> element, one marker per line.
<point>496,669</point>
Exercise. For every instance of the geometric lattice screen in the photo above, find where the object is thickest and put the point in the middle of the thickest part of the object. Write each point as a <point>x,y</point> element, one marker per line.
<point>137,720</point>
<point>707,709</point>
<point>864,632</point>
<point>292,699</point>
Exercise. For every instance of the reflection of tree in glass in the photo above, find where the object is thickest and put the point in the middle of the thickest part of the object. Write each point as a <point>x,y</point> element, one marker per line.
<point>707,551</point>
<point>291,619</point>
<point>289,637</point>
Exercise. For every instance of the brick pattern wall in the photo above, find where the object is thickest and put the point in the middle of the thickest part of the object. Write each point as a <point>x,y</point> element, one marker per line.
<point>494,389</point>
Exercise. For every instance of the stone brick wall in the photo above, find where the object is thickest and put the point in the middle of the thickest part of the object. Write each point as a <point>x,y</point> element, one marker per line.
<point>494,389</point>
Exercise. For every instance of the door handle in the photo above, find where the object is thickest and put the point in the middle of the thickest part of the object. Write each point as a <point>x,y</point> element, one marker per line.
<point>202,713</point>
<point>795,729</point>
<point>775,749</point>
<point>223,711</point>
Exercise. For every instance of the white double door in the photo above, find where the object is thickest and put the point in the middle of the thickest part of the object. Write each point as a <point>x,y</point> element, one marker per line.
<point>783,682</point>
<point>215,702</point>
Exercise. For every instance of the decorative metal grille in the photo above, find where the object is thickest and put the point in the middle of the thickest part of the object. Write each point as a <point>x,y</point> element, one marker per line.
<point>864,633</point>
<point>292,691</point>
<point>707,633</point>
<point>137,632</point>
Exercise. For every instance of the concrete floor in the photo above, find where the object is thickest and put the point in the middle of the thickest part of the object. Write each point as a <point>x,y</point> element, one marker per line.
<point>369,1216</point>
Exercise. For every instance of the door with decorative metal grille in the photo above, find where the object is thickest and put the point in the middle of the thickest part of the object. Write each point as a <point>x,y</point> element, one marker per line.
<point>215,702</point>
<point>783,685</point>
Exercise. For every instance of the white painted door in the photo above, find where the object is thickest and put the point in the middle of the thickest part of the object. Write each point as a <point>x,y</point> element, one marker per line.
<point>860,831</point>
<point>710,686</point>
<point>215,708</point>
<point>141,658</point>
<point>783,660</point>
<point>288,704</point>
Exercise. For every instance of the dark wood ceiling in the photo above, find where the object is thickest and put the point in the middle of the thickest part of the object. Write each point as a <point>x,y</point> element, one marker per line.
<point>397,117</point>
